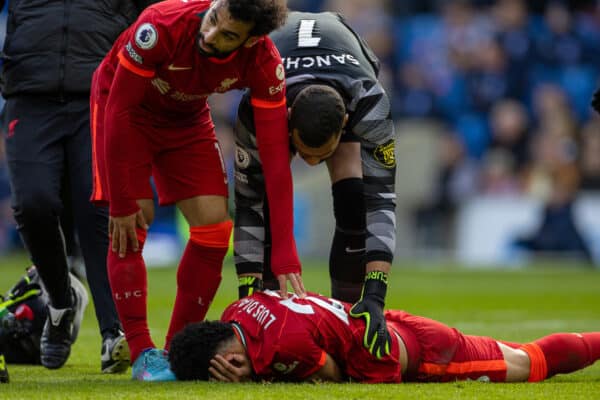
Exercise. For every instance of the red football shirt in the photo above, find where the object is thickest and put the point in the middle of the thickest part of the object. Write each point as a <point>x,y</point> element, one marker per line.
<point>288,339</point>
<point>161,47</point>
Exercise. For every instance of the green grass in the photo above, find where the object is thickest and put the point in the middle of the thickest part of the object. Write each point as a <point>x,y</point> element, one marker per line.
<point>517,305</point>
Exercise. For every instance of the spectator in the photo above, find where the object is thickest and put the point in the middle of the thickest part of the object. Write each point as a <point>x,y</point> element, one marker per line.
<point>488,81</point>
<point>510,131</point>
<point>557,44</point>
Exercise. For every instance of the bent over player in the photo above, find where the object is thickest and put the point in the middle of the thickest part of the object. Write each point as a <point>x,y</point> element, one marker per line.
<point>340,114</point>
<point>151,118</point>
<point>264,336</point>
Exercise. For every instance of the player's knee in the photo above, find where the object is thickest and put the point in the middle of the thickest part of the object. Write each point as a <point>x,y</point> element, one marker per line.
<point>349,204</point>
<point>213,235</point>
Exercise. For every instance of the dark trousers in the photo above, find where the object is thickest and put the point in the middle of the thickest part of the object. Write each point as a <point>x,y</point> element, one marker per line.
<point>48,144</point>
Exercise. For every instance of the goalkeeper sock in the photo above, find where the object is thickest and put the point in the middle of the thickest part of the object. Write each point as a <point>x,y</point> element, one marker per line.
<point>128,281</point>
<point>562,353</point>
<point>347,265</point>
<point>348,249</point>
<point>199,275</point>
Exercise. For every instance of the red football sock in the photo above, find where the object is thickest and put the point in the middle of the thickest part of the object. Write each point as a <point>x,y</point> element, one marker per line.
<point>128,281</point>
<point>562,353</point>
<point>198,275</point>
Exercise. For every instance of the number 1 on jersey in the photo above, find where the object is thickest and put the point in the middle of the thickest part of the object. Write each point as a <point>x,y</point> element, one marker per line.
<point>305,34</point>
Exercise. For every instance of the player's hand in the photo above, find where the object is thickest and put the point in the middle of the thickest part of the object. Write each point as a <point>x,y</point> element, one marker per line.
<point>370,307</point>
<point>596,101</point>
<point>377,338</point>
<point>123,228</point>
<point>231,367</point>
<point>297,285</point>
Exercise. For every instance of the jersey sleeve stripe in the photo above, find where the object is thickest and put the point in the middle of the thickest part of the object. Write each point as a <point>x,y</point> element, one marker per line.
<point>136,70</point>
<point>97,190</point>
<point>462,368</point>
<point>266,104</point>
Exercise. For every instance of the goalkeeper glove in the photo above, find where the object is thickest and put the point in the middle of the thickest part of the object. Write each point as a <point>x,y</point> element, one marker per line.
<point>370,307</point>
<point>247,285</point>
<point>596,101</point>
<point>3,370</point>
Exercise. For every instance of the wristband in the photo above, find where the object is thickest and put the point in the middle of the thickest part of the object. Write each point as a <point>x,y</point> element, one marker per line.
<point>375,286</point>
<point>247,285</point>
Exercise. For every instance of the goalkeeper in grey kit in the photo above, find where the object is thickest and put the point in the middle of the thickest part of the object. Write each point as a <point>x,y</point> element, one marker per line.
<point>340,114</point>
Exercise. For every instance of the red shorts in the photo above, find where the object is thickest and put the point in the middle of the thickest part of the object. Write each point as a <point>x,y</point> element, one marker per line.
<point>444,354</point>
<point>184,161</point>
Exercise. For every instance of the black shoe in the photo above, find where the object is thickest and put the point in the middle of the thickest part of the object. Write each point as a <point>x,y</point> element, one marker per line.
<point>62,327</point>
<point>3,370</point>
<point>115,356</point>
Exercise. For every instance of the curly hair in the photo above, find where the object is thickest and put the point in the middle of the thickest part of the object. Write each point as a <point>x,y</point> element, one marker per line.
<point>317,113</point>
<point>194,346</point>
<point>267,15</point>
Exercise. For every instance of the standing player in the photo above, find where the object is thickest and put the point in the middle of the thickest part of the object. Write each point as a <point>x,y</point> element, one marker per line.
<point>266,337</point>
<point>339,113</point>
<point>151,118</point>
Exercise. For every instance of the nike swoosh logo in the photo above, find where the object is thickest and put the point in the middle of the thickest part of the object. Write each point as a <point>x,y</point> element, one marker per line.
<point>349,250</point>
<point>56,315</point>
<point>105,356</point>
<point>172,67</point>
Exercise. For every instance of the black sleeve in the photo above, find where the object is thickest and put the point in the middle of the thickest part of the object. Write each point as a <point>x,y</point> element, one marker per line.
<point>142,4</point>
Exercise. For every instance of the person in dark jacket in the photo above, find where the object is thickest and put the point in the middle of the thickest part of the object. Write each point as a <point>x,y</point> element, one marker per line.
<point>50,53</point>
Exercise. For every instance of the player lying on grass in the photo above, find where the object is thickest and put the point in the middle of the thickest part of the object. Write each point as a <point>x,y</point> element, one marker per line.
<point>265,337</point>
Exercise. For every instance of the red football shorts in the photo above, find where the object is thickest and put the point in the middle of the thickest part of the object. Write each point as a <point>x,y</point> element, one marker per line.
<point>445,354</point>
<point>184,161</point>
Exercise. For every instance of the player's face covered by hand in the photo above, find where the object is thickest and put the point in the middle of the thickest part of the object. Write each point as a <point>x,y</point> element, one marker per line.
<point>231,364</point>
<point>220,34</point>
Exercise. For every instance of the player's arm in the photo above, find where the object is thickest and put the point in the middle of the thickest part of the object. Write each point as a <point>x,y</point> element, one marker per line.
<point>379,173</point>
<point>273,148</point>
<point>329,372</point>
<point>271,122</point>
<point>125,215</point>
<point>250,231</point>
<point>126,93</point>
<point>147,47</point>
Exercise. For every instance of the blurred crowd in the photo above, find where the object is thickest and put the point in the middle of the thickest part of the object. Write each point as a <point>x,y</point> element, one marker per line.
<point>508,81</point>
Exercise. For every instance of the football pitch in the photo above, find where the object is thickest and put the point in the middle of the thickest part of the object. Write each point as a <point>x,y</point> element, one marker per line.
<point>515,305</point>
